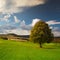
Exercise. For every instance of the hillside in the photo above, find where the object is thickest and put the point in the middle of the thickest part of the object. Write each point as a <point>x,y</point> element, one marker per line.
<point>22,37</point>
<point>14,36</point>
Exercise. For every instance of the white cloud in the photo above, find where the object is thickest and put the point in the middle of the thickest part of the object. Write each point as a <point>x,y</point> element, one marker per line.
<point>23,3</point>
<point>34,21</point>
<point>56,33</point>
<point>52,22</point>
<point>22,23</point>
<point>18,31</point>
<point>5,18</point>
<point>2,4</point>
<point>55,28</point>
<point>16,19</point>
<point>14,6</point>
<point>51,27</point>
<point>24,26</point>
<point>23,29</point>
<point>7,6</point>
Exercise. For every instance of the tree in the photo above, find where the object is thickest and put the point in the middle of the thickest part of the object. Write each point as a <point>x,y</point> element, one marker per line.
<point>41,33</point>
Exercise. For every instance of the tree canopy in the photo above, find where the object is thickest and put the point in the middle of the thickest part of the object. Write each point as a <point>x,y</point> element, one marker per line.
<point>41,33</point>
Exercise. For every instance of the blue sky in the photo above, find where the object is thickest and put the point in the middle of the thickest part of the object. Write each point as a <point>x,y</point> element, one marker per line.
<point>19,16</point>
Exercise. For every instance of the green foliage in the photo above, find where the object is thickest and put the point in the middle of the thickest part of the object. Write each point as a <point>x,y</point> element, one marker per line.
<point>41,33</point>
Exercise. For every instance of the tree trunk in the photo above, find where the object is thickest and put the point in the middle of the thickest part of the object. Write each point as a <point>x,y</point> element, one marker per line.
<point>40,45</point>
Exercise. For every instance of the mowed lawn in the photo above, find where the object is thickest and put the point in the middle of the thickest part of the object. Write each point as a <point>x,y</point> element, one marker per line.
<point>13,50</point>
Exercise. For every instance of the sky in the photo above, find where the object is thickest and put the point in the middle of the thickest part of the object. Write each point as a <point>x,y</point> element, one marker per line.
<point>19,16</point>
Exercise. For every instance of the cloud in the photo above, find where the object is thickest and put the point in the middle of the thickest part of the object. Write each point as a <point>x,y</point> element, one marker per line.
<point>56,33</point>
<point>7,6</point>
<point>5,18</point>
<point>27,3</point>
<point>55,30</point>
<point>23,29</point>
<point>34,21</point>
<point>13,29</point>
<point>52,22</point>
<point>22,23</point>
<point>16,19</point>
<point>14,6</point>
<point>24,26</point>
<point>7,27</point>
<point>18,31</point>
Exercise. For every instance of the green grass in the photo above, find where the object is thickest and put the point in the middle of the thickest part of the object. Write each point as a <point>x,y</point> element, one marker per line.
<point>12,50</point>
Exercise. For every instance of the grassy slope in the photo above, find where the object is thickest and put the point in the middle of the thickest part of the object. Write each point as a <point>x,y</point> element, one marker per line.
<point>11,50</point>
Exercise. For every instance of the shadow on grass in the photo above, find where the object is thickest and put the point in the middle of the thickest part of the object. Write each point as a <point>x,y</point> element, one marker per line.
<point>49,48</point>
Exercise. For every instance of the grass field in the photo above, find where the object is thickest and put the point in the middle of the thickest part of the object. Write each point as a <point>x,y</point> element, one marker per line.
<point>12,50</point>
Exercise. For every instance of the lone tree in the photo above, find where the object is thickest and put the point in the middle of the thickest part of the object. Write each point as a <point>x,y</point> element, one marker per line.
<point>41,33</point>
